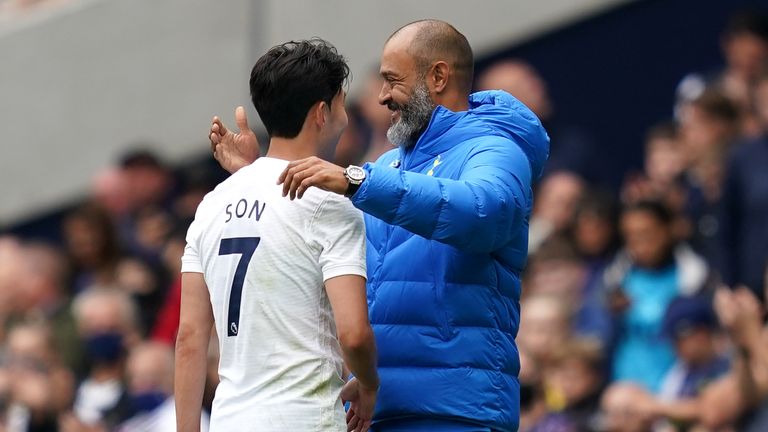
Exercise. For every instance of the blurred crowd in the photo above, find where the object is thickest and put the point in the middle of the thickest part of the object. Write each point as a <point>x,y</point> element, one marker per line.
<point>642,310</point>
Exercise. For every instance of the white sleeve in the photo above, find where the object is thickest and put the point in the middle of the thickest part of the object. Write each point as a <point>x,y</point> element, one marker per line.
<point>338,230</point>
<point>190,261</point>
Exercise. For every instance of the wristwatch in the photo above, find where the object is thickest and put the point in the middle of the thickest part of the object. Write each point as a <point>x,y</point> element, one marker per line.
<point>355,176</point>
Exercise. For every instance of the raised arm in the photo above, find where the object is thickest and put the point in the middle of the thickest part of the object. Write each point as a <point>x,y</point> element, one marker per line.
<point>479,212</point>
<point>195,326</point>
<point>233,150</point>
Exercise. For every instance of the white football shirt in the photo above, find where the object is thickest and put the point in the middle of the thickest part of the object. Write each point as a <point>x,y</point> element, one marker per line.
<point>265,259</point>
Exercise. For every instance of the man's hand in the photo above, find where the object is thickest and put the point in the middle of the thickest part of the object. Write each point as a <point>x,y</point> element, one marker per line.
<point>302,174</point>
<point>361,403</point>
<point>233,150</point>
<point>740,313</point>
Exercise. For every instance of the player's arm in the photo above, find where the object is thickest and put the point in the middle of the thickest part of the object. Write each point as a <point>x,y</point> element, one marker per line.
<point>195,326</point>
<point>233,150</point>
<point>479,212</point>
<point>350,311</point>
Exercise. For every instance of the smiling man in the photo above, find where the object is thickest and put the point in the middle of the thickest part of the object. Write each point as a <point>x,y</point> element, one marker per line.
<point>446,217</point>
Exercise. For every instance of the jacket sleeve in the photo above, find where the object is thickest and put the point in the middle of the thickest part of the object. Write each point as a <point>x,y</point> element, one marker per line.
<point>478,213</point>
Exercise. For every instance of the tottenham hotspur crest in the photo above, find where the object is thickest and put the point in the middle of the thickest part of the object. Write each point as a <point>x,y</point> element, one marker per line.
<point>437,162</point>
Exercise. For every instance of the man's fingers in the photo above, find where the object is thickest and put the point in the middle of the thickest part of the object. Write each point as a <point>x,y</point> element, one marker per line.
<point>350,413</point>
<point>353,423</point>
<point>241,119</point>
<point>288,177</point>
<point>365,425</point>
<point>222,130</point>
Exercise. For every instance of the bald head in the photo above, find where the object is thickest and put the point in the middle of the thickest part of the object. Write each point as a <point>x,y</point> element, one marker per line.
<point>430,41</point>
<point>522,81</point>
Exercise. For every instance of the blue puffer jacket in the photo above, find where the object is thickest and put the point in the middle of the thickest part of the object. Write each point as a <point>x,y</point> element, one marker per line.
<point>447,228</point>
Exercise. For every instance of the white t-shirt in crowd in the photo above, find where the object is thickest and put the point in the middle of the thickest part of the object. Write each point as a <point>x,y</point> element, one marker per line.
<point>280,365</point>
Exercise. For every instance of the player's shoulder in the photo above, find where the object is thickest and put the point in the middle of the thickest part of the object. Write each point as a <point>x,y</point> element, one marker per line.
<point>262,170</point>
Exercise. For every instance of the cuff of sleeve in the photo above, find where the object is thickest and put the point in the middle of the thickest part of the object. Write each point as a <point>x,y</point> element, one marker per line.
<point>362,191</point>
<point>190,266</point>
<point>331,272</point>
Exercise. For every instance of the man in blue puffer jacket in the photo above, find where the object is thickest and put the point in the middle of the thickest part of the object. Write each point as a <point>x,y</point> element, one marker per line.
<point>447,225</point>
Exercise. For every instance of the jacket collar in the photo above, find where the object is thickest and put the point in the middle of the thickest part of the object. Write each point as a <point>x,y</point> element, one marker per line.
<point>431,143</point>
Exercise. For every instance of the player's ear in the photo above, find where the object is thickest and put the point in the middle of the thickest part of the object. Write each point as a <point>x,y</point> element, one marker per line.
<point>437,77</point>
<point>321,110</point>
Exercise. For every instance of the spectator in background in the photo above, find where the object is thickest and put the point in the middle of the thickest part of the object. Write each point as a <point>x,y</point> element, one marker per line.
<point>620,411</point>
<point>150,186</point>
<point>93,247</point>
<point>596,238</point>
<point>544,327</point>
<point>167,324</point>
<point>556,269</point>
<point>365,139</point>
<point>46,297</point>
<point>664,164</point>
<point>554,207</point>
<point>744,44</point>
<point>708,126</point>
<point>574,381</point>
<point>107,321</point>
<point>534,414</point>
<point>741,396</point>
<point>691,323</point>
<point>744,207</point>
<point>641,282</point>
<point>110,191</point>
<point>571,147</point>
<point>149,373</point>
<point>149,181</point>
<point>39,386</point>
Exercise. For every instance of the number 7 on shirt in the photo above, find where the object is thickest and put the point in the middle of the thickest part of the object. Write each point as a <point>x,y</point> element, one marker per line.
<point>245,246</point>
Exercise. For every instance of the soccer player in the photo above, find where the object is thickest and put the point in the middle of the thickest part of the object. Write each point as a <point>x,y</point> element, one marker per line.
<point>447,220</point>
<point>280,279</point>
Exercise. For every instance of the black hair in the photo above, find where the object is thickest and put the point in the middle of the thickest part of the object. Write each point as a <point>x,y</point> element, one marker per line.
<point>748,21</point>
<point>655,208</point>
<point>141,157</point>
<point>663,130</point>
<point>290,78</point>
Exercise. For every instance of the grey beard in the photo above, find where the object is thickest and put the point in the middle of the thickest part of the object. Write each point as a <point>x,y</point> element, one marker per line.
<point>414,118</point>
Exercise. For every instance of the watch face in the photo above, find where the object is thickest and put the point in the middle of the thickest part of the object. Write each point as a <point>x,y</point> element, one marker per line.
<point>356,173</point>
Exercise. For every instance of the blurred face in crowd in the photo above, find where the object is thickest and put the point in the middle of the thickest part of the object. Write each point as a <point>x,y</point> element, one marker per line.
<point>619,406</point>
<point>376,114</point>
<point>11,273</point>
<point>557,198</point>
<point>648,240</point>
<point>761,102</point>
<point>105,323</point>
<point>150,368</point>
<point>746,53</point>
<point>521,81</point>
<point>561,277</point>
<point>664,160</point>
<point>90,237</point>
<point>593,233</point>
<point>110,190</point>
<point>575,379</point>
<point>544,326</point>
<point>404,92</point>
<point>702,134</point>
<point>695,346</point>
<point>147,184</point>
<point>29,347</point>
